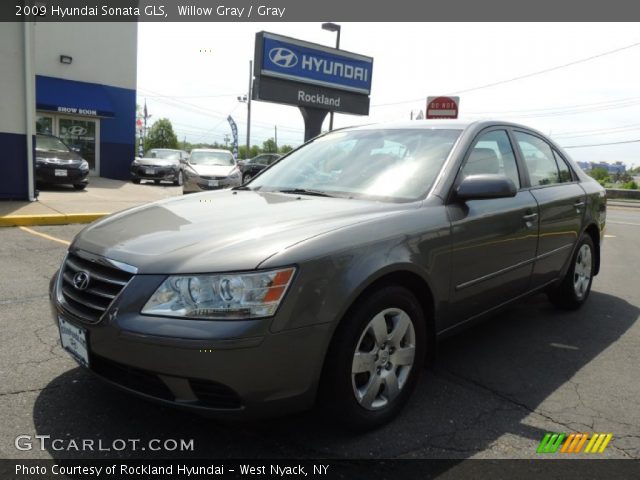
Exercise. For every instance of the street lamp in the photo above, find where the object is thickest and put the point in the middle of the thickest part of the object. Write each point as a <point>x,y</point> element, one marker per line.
<point>247,99</point>
<point>332,27</point>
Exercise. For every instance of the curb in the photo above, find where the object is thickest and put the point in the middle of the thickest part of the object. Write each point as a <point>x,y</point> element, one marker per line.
<point>623,204</point>
<point>49,219</point>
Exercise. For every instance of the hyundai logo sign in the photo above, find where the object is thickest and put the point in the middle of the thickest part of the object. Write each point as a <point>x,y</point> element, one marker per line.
<point>310,63</point>
<point>283,57</point>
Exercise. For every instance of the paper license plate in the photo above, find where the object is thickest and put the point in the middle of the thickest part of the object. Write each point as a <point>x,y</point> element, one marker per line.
<point>149,171</point>
<point>213,183</point>
<point>74,341</point>
<point>59,172</point>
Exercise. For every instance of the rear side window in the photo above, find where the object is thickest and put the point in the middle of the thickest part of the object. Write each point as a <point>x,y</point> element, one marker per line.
<point>492,153</point>
<point>539,159</point>
<point>563,169</point>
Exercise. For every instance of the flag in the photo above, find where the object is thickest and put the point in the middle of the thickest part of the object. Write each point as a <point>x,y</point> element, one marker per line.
<point>234,131</point>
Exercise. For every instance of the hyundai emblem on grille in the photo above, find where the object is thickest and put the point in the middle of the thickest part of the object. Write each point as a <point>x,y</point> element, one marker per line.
<point>81,280</point>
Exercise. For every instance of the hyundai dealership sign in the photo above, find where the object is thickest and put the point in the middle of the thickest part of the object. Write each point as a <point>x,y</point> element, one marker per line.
<point>305,62</point>
<point>296,72</point>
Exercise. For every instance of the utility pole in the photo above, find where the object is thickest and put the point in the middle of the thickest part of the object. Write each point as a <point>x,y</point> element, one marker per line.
<point>276,137</point>
<point>249,108</point>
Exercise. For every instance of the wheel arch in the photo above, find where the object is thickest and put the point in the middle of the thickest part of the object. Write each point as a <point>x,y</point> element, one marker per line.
<point>593,231</point>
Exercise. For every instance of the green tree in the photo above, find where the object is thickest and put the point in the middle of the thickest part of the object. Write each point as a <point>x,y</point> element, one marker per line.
<point>600,174</point>
<point>285,149</point>
<point>269,146</point>
<point>161,135</point>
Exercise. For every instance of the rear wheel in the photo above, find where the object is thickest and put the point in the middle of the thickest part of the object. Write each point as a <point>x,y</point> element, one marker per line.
<point>375,359</point>
<point>79,186</point>
<point>136,180</point>
<point>575,287</point>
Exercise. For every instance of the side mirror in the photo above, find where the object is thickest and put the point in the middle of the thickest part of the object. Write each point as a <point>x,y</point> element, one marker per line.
<point>486,186</point>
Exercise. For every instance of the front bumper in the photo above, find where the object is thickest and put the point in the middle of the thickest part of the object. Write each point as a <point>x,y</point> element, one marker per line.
<point>225,369</point>
<point>154,173</point>
<point>195,183</point>
<point>46,174</point>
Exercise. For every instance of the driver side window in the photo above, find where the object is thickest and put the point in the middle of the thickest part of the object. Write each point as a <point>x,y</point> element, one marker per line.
<point>492,153</point>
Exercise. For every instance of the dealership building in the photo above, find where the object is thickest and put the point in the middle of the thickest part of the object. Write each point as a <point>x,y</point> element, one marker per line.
<point>73,80</point>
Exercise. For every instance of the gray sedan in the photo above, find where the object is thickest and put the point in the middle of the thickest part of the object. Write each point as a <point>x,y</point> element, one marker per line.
<point>329,278</point>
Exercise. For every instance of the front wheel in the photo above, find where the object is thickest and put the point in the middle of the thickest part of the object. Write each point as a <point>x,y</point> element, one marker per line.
<point>375,359</point>
<point>180,180</point>
<point>79,186</point>
<point>246,177</point>
<point>575,287</point>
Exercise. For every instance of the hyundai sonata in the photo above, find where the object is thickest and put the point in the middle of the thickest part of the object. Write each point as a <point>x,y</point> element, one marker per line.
<point>329,277</point>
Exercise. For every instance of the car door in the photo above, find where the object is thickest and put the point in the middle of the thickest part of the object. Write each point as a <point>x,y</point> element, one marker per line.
<point>494,240</point>
<point>561,203</point>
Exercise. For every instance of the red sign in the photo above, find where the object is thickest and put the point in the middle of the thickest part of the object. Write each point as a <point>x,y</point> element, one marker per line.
<point>442,107</point>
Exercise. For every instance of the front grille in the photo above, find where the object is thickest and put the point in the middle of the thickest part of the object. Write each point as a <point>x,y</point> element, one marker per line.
<point>130,377</point>
<point>104,284</point>
<point>209,177</point>
<point>157,172</point>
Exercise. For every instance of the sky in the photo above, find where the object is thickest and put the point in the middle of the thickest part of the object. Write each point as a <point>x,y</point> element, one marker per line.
<point>577,82</point>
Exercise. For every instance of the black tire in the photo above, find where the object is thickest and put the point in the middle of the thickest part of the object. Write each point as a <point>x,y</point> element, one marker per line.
<point>157,182</point>
<point>343,393</point>
<point>79,186</point>
<point>575,287</point>
<point>246,177</point>
<point>136,181</point>
<point>180,179</point>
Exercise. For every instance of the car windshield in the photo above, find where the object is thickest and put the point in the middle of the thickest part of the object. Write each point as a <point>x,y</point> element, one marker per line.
<point>211,158</point>
<point>383,164</point>
<point>163,154</point>
<point>50,144</point>
<point>261,160</point>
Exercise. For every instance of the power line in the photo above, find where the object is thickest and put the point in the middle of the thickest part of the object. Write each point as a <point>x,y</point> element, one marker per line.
<point>521,77</point>
<point>602,144</point>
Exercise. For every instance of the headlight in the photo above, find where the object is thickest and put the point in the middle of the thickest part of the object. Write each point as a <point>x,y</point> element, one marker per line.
<point>223,296</point>
<point>136,161</point>
<point>84,165</point>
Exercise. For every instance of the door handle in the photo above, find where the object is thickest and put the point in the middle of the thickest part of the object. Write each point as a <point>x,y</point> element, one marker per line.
<point>530,217</point>
<point>579,204</point>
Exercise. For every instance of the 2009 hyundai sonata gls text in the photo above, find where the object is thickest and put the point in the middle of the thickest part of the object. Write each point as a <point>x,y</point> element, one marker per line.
<point>330,275</point>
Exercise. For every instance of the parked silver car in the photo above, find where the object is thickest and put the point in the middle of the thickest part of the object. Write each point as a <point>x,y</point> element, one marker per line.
<point>210,169</point>
<point>330,275</point>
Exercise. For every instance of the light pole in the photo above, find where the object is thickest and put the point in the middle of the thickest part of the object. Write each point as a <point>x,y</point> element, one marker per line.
<point>247,99</point>
<point>332,27</point>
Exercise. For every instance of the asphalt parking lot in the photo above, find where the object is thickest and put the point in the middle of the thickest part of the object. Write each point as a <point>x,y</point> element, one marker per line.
<point>494,392</point>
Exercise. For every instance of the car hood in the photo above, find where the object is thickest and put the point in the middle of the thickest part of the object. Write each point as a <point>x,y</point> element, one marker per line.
<point>213,170</point>
<point>58,157</point>
<point>156,162</point>
<point>220,231</point>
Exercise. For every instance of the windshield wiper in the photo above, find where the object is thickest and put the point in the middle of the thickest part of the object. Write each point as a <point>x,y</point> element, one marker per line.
<point>305,191</point>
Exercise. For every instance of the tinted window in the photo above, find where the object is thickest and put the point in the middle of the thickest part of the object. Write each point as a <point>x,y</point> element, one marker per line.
<point>538,158</point>
<point>563,168</point>
<point>492,153</point>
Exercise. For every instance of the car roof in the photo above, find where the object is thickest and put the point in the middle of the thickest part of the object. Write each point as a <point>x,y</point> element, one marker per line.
<point>457,124</point>
<point>213,150</point>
